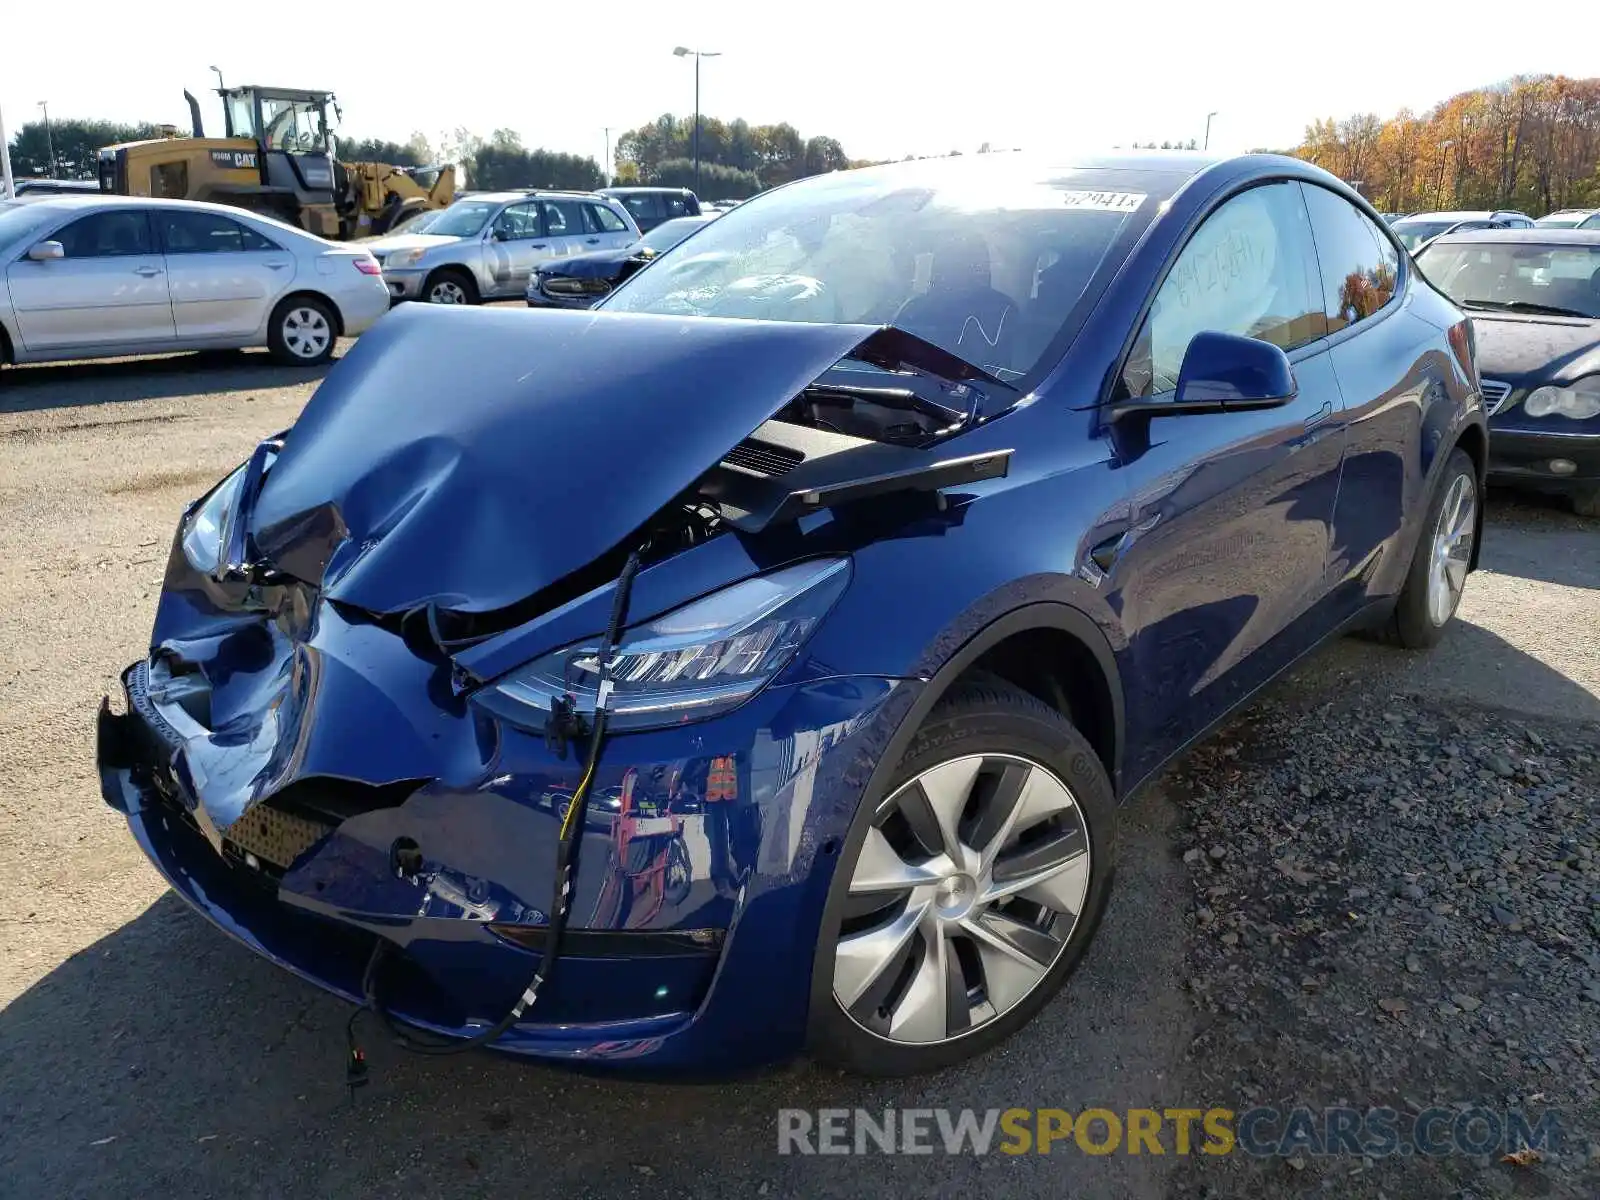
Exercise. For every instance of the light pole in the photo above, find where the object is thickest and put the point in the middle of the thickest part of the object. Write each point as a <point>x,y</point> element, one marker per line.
<point>49,137</point>
<point>1207,146</point>
<point>684,52</point>
<point>606,166</point>
<point>220,85</point>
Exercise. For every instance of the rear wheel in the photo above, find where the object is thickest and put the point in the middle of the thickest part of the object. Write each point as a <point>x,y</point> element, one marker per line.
<point>1439,567</point>
<point>973,890</point>
<point>450,287</point>
<point>1587,504</point>
<point>301,332</point>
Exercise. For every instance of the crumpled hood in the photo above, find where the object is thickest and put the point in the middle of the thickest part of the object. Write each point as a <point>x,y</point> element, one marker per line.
<point>596,264</point>
<point>470,457</point>
<point>1530,350</point>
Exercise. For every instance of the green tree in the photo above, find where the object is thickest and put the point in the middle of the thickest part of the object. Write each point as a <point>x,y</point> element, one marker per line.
<point>77,145</point>
<point>378,151</point>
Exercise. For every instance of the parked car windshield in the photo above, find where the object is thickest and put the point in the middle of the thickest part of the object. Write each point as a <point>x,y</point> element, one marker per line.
<point>1512,274</point>
<point>1563,220</point>
<point>18,219</point>
<point>1413,233</point>
<point>464,218</point>
<point>985,261</point>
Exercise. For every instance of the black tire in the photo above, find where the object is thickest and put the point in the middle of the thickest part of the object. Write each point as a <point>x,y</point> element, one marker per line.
<point>1412,625</point>
<point>975,719</point>
<point>1587,504</point>
<point>302,331</point>
<point>450,281</point>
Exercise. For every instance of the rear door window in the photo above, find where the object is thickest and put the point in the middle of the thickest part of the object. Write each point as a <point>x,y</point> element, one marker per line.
<point>1360,266</point>
<point>563,218</point>
<point>206,233</point>
<point>645,206</point>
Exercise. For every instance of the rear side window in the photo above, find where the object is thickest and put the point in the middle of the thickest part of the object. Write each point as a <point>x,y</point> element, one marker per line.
<point>107,235</point>
<point>601,219</point>
<point>1249,270</point>
<point>1360,266</point>
<point>207,233</point>
<point>562,218</point>
<point>676,206</point>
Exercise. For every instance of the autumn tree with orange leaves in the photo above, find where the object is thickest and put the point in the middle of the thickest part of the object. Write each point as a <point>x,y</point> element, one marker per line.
<point>1531,143</point>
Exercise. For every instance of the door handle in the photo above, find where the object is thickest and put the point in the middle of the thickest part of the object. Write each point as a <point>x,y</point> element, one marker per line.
<point>592,241</point>
<point>147,272</point>
<point>276,266</point>
<point>540,245</point>
<point>1321,415</point>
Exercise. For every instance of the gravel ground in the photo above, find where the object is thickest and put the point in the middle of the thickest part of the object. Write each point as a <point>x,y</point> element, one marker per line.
<point>1399,909</point>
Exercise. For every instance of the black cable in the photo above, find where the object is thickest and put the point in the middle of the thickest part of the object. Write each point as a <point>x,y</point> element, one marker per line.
<point>561,899</point>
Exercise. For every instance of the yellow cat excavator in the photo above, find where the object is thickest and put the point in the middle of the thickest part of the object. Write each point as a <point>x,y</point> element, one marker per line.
<point>277,158</point>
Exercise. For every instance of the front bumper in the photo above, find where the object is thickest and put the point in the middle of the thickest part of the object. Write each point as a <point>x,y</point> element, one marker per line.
<point>1535,457</point>
<point>690,945</point>
<point>404,283</point>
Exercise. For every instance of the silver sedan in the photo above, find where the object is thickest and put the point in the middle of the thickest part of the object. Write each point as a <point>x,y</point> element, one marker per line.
<point>104,276</point>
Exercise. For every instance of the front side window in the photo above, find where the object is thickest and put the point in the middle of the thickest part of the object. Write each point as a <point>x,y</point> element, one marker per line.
<point>107,235</point>
<point>1516,275</point>
<point>1360,266</point>
<point>206,233</point>
<point>1249,270</point>
<point>644,207</point>
<point>987,261</point>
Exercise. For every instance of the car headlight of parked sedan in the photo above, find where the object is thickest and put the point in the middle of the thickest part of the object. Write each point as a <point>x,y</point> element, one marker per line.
<point>404,258</point>
<point>1577,403</point>
<point>694,662</point>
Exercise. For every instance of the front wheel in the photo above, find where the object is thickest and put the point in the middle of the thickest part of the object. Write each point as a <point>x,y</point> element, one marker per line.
<point>1438,575</point>
<point>971,892</point>
<point>450,287</point>
<point>301,332</point>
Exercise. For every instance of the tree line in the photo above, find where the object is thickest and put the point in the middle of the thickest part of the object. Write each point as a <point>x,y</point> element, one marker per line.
<point>736,159</point>
<point>1531,143</point>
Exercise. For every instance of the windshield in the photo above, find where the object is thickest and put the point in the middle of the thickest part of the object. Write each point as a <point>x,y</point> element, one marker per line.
<point>1566,220</point>
<point>464,218</point>
<point>1500,274</point>
<point>985,261</point>
<point>669,233</point>
<point>1413,233</point>
<point>18,220</point>
<point>295,125</point>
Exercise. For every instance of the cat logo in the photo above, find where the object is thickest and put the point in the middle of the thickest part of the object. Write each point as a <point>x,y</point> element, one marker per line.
<point>234,159</point>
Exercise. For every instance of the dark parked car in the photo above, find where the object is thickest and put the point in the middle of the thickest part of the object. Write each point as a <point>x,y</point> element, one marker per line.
<point>877,548</point>
<point>1534,297</point>
<point>649,206</point>
<point>579,281</point>
<point>1418,229</point>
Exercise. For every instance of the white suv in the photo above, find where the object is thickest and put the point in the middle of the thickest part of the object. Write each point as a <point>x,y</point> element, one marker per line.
<point>485,246</point>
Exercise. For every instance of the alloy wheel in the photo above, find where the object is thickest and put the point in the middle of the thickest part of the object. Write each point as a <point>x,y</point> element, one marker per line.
<point>447,291</point>
<point>1451,549</point>
<point>306,332</point>
<point>963,896</point>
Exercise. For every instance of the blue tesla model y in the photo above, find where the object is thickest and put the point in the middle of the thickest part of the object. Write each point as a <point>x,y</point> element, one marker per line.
<point>752,665</point>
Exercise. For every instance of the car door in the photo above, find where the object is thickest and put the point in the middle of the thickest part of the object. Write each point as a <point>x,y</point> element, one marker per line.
<point>1381,361</point>
<point>516,242</point>
<point>108,289</point>
<point>222,275</point>
<point>604,229</point>
<point>1219,576</point>
<point>564,228</point>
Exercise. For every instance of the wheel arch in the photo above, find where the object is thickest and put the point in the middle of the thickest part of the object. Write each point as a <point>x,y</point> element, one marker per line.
<point>7,349</point>
<point>1474,439</point>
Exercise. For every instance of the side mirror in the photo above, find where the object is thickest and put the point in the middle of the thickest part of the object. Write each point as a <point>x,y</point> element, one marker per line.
<point>45,251</point>
<point>1222,372</point>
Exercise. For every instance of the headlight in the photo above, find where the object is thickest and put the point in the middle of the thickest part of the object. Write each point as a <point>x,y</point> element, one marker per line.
<point>405,258</point>
<point>698,661</point>
<point>1577,403</point>
<point>205,535</point>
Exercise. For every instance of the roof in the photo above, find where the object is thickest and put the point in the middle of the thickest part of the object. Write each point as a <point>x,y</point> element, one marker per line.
<point>1471,214</point>
<point>505,197</point>
<point>1537,236</point>
<point>644,187</point>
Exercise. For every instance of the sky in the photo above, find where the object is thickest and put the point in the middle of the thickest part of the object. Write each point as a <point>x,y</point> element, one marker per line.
<point>885,80</point>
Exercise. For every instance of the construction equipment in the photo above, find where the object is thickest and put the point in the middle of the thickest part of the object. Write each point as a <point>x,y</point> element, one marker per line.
<point>278,159</point>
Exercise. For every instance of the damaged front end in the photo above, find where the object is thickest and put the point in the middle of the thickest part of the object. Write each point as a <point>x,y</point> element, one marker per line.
<point>342,731</point>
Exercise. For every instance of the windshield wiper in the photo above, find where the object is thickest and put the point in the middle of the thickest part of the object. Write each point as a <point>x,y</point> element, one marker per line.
<point>1527,306</point>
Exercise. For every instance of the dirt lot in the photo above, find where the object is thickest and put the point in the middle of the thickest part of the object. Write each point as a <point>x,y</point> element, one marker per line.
<point>1379,886</point>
